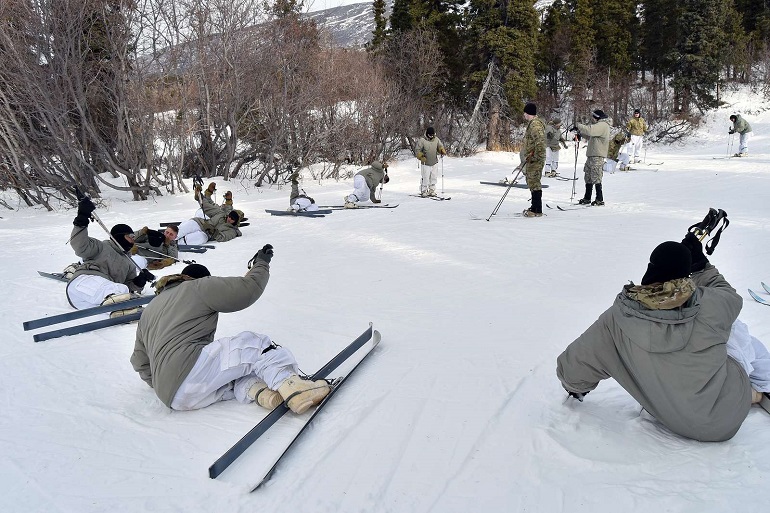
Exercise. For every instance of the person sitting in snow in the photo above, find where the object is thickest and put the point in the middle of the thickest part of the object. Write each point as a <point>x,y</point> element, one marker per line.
<point>217,225</point>
<point>176,354</point>
<point>107,274</point>
<point>676,345</point>
<point>158,248</point>
<point>300,202</point>
<point>365,184</point>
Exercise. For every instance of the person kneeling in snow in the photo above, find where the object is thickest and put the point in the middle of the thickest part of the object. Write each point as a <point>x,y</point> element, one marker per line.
<point>365,184</point>
<point>300,202</point>
<point>175,352</point>
<point>107,273</point>
<point>676,345</point>
<point>219,226</point>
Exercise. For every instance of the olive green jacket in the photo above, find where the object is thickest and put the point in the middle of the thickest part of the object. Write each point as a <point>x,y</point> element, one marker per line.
<point>599,133</point>
<point>637,126</point>
<point>673,362</point>
<point>177,324</point>
<point>103,258</point>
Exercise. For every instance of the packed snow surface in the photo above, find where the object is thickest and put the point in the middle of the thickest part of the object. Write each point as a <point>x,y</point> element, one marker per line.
<point>458,409</point>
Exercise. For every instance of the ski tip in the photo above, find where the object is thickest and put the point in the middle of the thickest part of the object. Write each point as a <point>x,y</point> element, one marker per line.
<point>758,298</point>
<point>376,337</point>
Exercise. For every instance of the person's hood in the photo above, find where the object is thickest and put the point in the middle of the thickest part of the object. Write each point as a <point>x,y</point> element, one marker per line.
<point>659,317</point>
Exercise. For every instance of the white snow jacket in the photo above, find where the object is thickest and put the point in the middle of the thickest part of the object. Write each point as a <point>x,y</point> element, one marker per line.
<point>673,362</point>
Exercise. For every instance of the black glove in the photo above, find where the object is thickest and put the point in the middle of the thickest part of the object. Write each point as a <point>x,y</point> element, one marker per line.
<point>699,260</point>
<point>155,238</point>
<point>731,131</point>
<point>143,277</point>
<point>577,395</point>
<point>573,128</point>
<point>85,208</point>
<point>265,254</point>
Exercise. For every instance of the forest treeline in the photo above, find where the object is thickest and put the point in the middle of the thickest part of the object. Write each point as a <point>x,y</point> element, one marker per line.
<point>154,91</point>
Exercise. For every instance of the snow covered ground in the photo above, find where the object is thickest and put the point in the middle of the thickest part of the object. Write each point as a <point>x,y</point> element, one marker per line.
<point>458,409</point>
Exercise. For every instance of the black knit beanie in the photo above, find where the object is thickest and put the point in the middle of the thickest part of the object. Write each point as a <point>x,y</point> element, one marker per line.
<point>599,114</point>
<point>530,109</point>
<point>669,261</point>
<point>196,271</point>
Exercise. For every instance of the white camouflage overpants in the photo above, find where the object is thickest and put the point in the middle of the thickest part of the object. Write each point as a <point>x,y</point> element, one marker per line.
<point>229,366</point>
<point>751,354</point>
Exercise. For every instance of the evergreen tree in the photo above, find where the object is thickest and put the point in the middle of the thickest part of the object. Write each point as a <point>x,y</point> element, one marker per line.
<point>378,35</point>
<point>506,33</point>
<point>616,26</point>
<point>583,46</point>
<point>699,53</point>
<point>658,35</point>
<point>553,46</point>
<point>400,17</point>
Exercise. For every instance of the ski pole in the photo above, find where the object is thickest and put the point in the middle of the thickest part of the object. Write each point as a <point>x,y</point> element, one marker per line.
<point>165,256</point>
<point>442,175</point>
<point>515,178</point>
<point>574,175</point>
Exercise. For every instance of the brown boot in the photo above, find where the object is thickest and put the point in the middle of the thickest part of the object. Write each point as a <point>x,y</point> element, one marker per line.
<point>263,396</point>
<point>302,394</point>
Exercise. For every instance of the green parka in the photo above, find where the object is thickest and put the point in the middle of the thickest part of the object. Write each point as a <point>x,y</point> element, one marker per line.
<point>177,324</point>
<point>741,125</point>
<point>673,362</point>
<point>428,150</point>
<point>599,133</point>
<point>373,176</point>
<point>103,258</point>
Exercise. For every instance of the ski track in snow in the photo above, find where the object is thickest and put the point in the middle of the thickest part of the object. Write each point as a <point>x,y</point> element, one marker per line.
<point>458,409</point>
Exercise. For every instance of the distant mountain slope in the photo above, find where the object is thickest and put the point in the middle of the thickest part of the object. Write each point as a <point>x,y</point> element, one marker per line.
<point>351,26</point>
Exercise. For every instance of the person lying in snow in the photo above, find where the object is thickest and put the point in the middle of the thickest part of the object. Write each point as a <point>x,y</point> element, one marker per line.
<point>218,225</point>
<point>107,274</point>
<point>676,345</point>
<point>176,354</point>
<point>154,249</point>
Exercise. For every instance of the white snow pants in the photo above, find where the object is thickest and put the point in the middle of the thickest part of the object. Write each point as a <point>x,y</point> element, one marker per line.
<point>360,190</point>
<point>304,204</point>
<point>228,367</point>
<point>428,178</point>
<point>636,143</point>
<point>190,233</point>
<point>751,354</point>
<point>88,290</point>
<point>743,142</point>
<point>610,165</point>
<point>623,159</point>
<point>551,160</point>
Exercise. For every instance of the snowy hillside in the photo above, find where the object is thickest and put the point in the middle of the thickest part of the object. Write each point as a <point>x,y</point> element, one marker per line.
<point>458,409</point>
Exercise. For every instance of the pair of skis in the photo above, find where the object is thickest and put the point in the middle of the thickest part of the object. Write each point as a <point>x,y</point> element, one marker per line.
<point>517,185</point>
<point>81,314</point>
<point>357,207</point>
<point>341,366</point>
<point>434,198</point>
<point>301,213</point>
<point>760,299</point>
